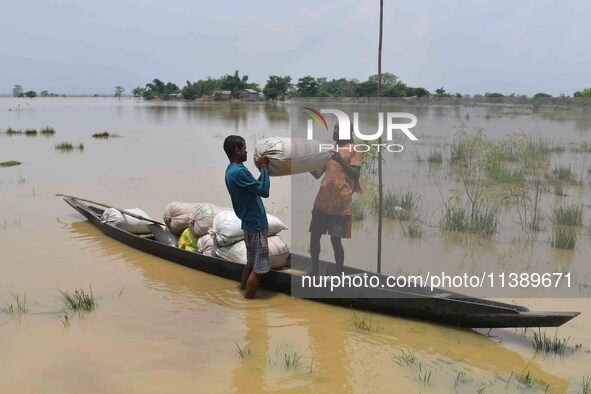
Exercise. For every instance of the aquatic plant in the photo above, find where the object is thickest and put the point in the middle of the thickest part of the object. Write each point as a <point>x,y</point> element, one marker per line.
<point>10,131</point>
<point>67,146</point>
<point>563,237</point>
<point>543,343</point>
<point>291,360</point>
<point>31,133</point>
<point>435,157</point>
<point>20,302</point>
<point>243,351</point>
<point>357,210</point>
<point>453,218</point>
<point>501,174</point>
<point>567,215</point>
<point>65,319</point>
<point>424,375</point>
<point>526,379</point>
<point>413,229</point>
<point>47,131</point>
<point>460,377</point>
<point>365,322</point>
<point>398,206</point>
<point>586,385</point>
<point>79,300</point>
<point>10,163</point>
<point>104,135</point>
<point>404,358</point>
<point>564,175</point>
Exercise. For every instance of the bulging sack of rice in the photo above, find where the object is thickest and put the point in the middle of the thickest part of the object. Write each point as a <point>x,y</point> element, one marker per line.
<point>278,252</point>
<point>202,218</point>
<point>188,241</point>
<point>163,235</point>
<point>227,227</point>
<point>126,222</point>
<point>206,244</point>
<point>177,215</point>
<point>288,156</point>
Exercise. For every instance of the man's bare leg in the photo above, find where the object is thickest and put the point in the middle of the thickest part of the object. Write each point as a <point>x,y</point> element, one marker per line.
<point>339,252</point>
<point>314,252</point>
<point>252,285</point>
<point>245,274</point>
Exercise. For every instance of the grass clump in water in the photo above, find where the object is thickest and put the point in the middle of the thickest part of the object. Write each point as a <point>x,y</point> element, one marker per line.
<point>244,351</point>
<point>413,229</point>
<point>398,206</point>
<point>435,157</point>
<point>365,322</point>
<point>10,163</point>
<point>104,135</point>
<point>483,221</point>
<point>357,210</point>
<point>10,131</point>
<point>291,360</point>
<point>502,174</point>
<point>586,386</point>
<point>568,216</point>
<point>543,343</point>
<point>31,133</point>
<point>564,175</point>
<point>405,358</point>
<point>79,300</point>
<point>453,219</point>
<point>67,147</point>
<point>19,306</point>
<point>563,237</point>
<point>47,131</point>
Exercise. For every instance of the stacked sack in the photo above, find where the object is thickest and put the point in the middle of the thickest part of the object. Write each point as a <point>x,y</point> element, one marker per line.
<point>226,239</point>
<point>214,231</point>
<point>189,222</point>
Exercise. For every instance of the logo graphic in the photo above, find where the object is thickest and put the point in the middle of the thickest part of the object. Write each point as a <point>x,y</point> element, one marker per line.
<point>317,117</point>
<point>345,128</point>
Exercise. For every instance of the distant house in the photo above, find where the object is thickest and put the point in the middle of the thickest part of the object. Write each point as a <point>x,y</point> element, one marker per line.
<point>222,95</point>
<point>247,94</point>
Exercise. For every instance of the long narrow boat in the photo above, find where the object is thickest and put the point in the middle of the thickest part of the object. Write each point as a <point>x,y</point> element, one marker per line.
<point>421,303</point>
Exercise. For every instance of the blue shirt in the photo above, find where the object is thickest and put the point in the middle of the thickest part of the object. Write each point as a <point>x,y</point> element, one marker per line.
<point>246,193</point>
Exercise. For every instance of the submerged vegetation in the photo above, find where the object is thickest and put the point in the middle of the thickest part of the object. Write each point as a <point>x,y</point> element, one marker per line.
<point>10,163</point>
<point>67,146</point>
<point>365,322</point>
<point>47,131</point>
<point>543,343</point>
<point>79,300</point>
<point>19,306</point>
<point>104,135</point>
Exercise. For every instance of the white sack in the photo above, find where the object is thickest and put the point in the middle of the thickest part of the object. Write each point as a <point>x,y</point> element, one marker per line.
<point>201,219</point>
<point>126,222</point>
<point>163,235</point>
<point>227,227</point>
<point>288,156</point>
<point>278,252</point>
<point>177,215</point>
<point>206,244</point>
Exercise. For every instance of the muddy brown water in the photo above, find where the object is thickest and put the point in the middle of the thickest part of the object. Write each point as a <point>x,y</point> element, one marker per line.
<point>160,327</point>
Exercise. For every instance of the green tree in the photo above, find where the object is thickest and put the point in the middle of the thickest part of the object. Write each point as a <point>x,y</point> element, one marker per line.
<point>542,95</point>
<point>277,87</point>
<point>138,91</point>
<point>441,93</point>
<point>31,94</point>
<point>119,91</point>
<point>17,91</point>
<point>583,93</point>
<point>307,86</point>
<point>44,93</point>
<point>161,90</point>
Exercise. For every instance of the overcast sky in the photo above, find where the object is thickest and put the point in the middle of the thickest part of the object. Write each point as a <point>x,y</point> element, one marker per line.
<point>468,46</point>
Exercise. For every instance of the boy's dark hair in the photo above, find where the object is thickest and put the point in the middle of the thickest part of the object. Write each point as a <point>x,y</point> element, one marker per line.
<point>231,143</point>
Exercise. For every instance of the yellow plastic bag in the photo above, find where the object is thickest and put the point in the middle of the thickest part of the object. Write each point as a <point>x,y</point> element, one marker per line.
<point>188,241</point>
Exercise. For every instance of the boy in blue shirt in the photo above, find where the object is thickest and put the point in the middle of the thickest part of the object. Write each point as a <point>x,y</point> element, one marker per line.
<point>246,192</point>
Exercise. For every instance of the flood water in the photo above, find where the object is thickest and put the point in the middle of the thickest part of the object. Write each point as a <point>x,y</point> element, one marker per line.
<point>161,327</point>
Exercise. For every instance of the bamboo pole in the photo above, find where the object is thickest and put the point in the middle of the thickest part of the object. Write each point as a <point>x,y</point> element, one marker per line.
<point>380,185</point>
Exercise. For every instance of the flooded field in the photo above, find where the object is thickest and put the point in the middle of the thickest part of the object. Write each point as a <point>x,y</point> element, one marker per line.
<point>160,327</point>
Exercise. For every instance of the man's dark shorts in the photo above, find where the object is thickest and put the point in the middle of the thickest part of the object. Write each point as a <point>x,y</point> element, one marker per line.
<point>257,251</point>
<point>337,226</point>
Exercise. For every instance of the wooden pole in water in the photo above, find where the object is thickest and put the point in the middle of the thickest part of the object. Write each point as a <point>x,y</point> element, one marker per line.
<point>380,192</point>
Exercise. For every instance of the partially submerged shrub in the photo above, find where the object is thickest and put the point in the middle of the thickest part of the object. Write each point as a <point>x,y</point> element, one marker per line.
<point>10,163</point>
<point>568,215</point>
<point>47,131</point>
<point>563,237</point>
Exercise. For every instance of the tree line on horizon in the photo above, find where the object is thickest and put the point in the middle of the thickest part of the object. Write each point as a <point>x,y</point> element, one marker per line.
<point>281,87</point>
